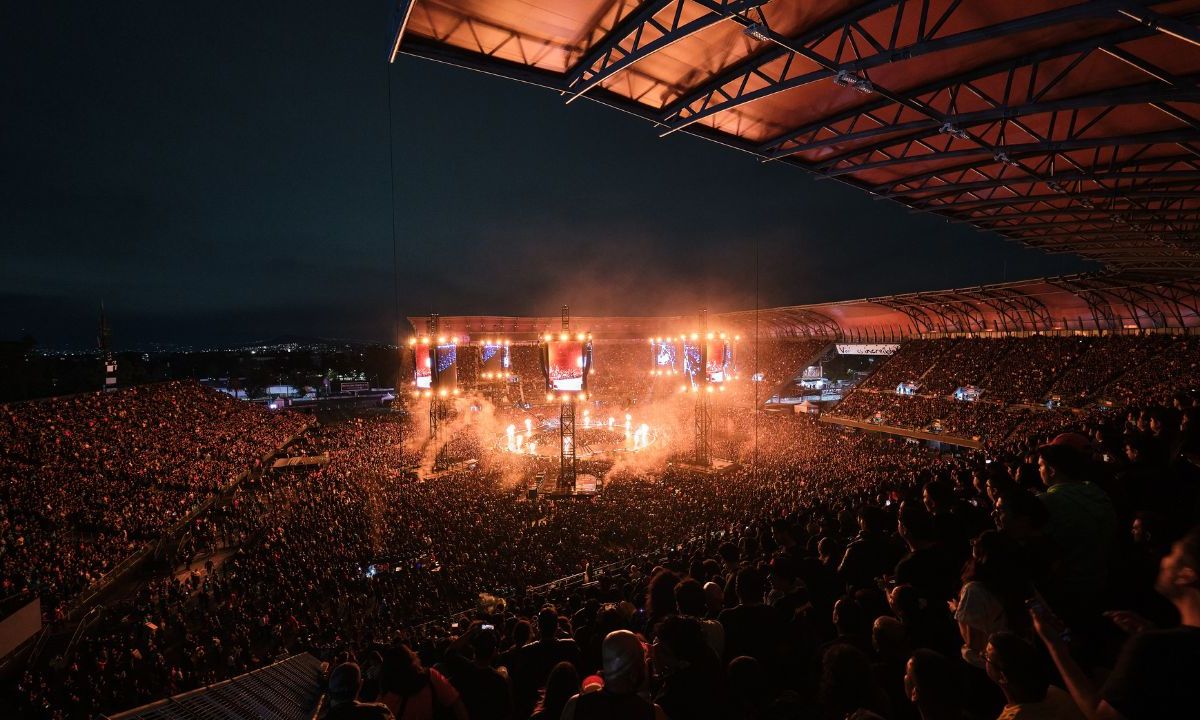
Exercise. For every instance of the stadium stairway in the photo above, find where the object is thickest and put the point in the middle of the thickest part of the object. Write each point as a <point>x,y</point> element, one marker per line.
<point>287,690</point>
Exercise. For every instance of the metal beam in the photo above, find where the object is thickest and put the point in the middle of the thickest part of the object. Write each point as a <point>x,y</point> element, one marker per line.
<point>939,191</point>
<point>1146,224</point>
<point>1162,23</point>
<point>399,24</point>
<point>1024,150</point>
<point>1138,95</point>
<point>1165,234</point>
<point>611,57</point>
<point>1102,193</point>
<point>1020,151</point>
<point>744,71</point>
<point>829,68</point>
<point>632,23</point>
<point>772,146</point>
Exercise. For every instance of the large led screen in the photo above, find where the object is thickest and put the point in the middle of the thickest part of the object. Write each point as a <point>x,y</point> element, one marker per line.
<point>447,366</point>
<point>496,361</point>
<point>664,354</point>
<point>566,363</point>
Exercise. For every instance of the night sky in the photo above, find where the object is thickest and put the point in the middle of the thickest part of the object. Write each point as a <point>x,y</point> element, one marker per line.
<point>218,172</point>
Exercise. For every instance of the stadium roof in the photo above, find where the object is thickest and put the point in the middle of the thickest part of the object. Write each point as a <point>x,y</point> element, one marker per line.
<point>1096,302</point>
<point>1069,126</point>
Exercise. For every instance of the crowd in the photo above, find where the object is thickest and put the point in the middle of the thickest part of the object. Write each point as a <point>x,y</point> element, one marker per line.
<point>1014,374</point>
<point>87,480</point>
<point>829,573</point>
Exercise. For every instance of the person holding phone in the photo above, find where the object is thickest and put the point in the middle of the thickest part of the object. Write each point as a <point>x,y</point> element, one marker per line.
<point>1157,671</point>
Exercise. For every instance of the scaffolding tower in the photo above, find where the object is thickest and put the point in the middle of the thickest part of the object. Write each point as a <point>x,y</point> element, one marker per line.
<point>703,418</point>
<point>567,465</point>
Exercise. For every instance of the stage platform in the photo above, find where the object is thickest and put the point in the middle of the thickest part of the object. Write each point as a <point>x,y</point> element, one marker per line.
<point>586,486</point>
<point>437,472</point>
<point>718,465</point>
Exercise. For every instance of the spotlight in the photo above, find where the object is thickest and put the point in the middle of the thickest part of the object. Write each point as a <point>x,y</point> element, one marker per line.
<point>949,128</point>
<point>847,79</point>
<point>758,31</point>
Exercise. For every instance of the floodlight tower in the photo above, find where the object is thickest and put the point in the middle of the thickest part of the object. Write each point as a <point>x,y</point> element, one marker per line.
<point>703,418</point>
<point>566,428</point>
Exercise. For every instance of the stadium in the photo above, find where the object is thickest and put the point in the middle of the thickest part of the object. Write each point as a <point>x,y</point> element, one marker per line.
<point>968,502</point>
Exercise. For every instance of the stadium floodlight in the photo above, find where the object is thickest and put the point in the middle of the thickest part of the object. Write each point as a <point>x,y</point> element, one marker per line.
<point>758,31</point>
<point>949,128</point>
<point>847,79</point>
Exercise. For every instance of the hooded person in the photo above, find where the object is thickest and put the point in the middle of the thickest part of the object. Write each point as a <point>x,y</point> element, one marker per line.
<point>625,679</point>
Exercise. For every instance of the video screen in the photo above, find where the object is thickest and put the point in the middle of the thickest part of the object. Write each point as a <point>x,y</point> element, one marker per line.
<point>424,367</point>
<point>496,361</point>
<point>720,358</point>
<point>566,363</point>
<point>665,354</point>
<point>447,366</point>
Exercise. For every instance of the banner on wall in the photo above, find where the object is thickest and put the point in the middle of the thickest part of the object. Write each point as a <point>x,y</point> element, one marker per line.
<point>868,348</point>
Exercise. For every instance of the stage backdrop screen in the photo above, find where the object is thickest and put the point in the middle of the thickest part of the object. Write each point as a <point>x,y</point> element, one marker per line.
<point>447,356</point>
<point>447,367</point>
<point>720,357</point>
<point>495,360</point>
<point>566,364</point>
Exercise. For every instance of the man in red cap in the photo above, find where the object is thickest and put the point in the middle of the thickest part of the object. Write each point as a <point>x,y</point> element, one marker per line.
<point>1082,522</point>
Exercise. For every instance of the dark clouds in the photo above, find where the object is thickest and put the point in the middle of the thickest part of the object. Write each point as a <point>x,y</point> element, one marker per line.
<point>219,172</point>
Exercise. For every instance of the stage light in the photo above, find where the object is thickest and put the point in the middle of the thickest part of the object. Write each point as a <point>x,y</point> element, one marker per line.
<point>454,391</point>
<point>708,388</point>
<point>722,336</point>
<point>683,388</point>
<point>454,340</point>
<point>549,397</point>
<point>709,336</point>
<point>949,128</point>
<point>1001,156</point>
<point>563,336</point>
<point>583,396</point>
<point>412,341</point>
<point>758,31</point>
<point>722,387</point>
<point>695,336</point>
<point>548,338</point>
<point>845,78</point>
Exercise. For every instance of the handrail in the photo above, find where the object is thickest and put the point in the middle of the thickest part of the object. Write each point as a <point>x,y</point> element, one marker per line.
<point>564,582</point>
